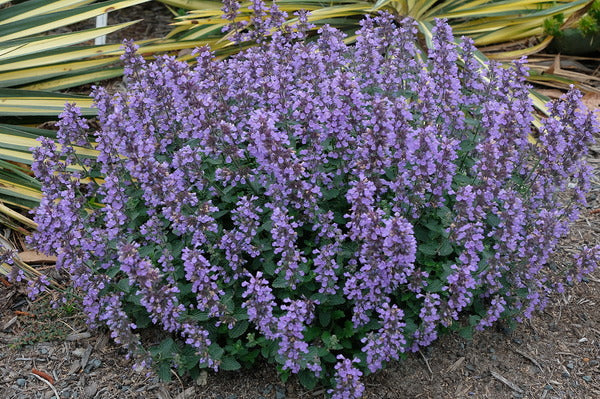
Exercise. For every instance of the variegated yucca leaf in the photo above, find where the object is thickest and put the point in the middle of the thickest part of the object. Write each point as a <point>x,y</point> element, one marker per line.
<point>35,62</point>
<point>496,25</point>
<point>34,58</point>
<point>486,21</point>
<point>19,189</point>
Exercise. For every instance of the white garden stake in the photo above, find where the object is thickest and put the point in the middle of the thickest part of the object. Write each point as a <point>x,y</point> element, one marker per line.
<point>101,22</point>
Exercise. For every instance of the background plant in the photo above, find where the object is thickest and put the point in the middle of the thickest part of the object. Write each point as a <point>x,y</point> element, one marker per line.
<point>588,24</point>
<point>508,29</point>
<point>36,64</point>
<point>486,22</point>
<point>325,207</point>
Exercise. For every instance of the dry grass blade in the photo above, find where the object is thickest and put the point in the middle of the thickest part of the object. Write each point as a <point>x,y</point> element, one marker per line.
<point>552,72</point>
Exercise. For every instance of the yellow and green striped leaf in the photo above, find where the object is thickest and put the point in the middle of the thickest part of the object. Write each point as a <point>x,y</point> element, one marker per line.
<point>24,102</point>
<point>22,47</point>
<point>39,23</point>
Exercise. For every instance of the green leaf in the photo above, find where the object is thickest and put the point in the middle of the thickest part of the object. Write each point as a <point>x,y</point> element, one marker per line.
<point>331,194</point>
<point>185,288</point>
<point>164,371</point>
<point>167,347</point>
<point>466,333</point>
<point>238,329</point>
<point>337,314</point>
<point>474,320</point>
<point>493,220</point>
<point>137,311</point>
<point>307,379</point>
<point>280,282</point>
<point>435,286</point>
<point>347,331</point>
<point>331,342</point>
<point>269,349</point>
<point>215,351</point>
<point>336,299</point>
<point>146,251</point>
<point>463,180</point>
<point>284,375</point>
<point>266,226</point>
<point>324,317</point>
<point>229,364</point>
<point>123,285</point>
<point>198,315</point>
<point>429,248</point>
<point>468,146</point>
<point>435,226</point>
<point>189,359</point>
<point>311,332</point>
<point>241,314</point>
<point>421,233</point>
<point>317,296</point>
<point>445,215</point>
<point>266,265</point>
<point>446,248</point>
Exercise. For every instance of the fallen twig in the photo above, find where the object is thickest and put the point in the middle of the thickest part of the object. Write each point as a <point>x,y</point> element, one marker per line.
<point>595,280</point>
<point>188,393</point>
<point>9,323</point>
<point>506,382</point>
<point>43,375</point>
<point>455,365</point>
<point>86,357</point>
<point>427,364</point>
<point>77,336</point>
<point>22,313</point>
<point>45,381</point>
<point>528,357</point>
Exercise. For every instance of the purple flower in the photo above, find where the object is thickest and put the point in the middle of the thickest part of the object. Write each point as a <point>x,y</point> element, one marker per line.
<point>347,380</point>
<point>290,328</point>
<point>238,242</point>
<point>204,278</point>
<point>389,341</point>
<point>284,244</point>
<point>586,262</point>
<point>260,304</point>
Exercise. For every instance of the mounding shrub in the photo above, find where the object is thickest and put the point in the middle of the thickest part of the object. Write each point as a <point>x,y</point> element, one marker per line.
<point>325,207</point>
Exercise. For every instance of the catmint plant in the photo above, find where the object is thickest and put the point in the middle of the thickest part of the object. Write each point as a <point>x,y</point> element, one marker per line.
<point>324,206</point>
